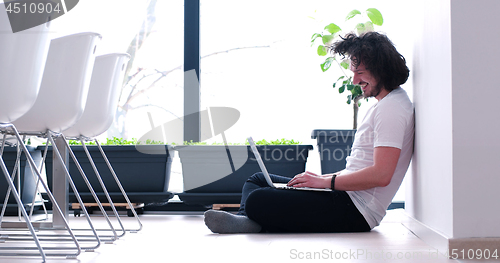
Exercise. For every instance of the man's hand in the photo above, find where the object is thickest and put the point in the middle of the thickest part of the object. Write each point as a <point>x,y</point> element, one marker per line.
<point>312,180</point>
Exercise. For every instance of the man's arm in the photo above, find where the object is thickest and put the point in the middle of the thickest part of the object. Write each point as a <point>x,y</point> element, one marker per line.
<point>377,175</point>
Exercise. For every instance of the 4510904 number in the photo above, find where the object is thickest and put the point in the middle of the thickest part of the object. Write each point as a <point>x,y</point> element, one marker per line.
<point>473,254</point>
<point>32,8</point>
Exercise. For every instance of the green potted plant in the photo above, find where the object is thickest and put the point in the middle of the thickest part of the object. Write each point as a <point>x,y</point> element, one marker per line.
<point>142,168</point>
<point>335,145</point>
<point>215,174</point>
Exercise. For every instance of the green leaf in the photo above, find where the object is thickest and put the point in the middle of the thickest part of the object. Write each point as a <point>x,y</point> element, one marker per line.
<point>314,36</point>
<point>369,27</point>
<point>364,27</point>
<point>352,14</point>
<point>327,64</point>
<point>332,28</point>
<point>360,28</point>
<point>375,16</point>
<point>350,87</point>
<point>341,77</point>
<point>342,89</point>
<point>356,91</point>
<point>344,64</point>
<point>327,38</point>
<point>322,51</point>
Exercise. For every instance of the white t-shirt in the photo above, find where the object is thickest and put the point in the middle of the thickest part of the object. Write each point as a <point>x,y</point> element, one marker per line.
<point>390,123</point>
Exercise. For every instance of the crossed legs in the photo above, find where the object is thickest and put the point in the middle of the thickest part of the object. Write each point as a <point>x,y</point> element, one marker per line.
<point>266,209</point>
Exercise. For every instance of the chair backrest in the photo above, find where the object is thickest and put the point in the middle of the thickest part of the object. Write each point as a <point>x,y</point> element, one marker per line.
<point>102,100</point>
<point>65,84</point>
<point>22,59</point>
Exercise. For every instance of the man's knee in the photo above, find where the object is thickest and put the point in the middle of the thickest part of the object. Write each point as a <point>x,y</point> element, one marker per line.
<point>258,179</point>
<point>257,201</point>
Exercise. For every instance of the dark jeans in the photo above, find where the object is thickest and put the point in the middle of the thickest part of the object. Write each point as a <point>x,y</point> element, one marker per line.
<point>281,210</point>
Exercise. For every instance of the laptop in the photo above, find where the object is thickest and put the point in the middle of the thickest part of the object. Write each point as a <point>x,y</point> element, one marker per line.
<point>268,178</point>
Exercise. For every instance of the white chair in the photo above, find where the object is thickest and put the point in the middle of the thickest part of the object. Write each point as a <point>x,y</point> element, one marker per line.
<point>65,85</point>
<point>61,101</point>
<point>103,96</point>
<point>23,56</point>
<point>102,102</point>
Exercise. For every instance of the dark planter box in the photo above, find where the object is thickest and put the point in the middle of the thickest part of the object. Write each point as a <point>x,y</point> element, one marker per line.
<point>333,146</point>
<point>211,175</point>
<point>144,176</point>
<point>28,182</point>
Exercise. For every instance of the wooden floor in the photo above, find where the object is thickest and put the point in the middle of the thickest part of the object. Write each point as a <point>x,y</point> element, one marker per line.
<point>185,238</point>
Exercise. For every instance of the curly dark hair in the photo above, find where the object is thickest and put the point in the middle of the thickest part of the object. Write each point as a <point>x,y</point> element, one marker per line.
<point>378,54</point>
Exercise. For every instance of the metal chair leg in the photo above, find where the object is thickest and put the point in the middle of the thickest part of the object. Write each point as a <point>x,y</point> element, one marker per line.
<point>37,186</point>
<point>75,191</point>
<point>99,178</point>
<point>120,186</point>
<point>56,208</point>
<point>87,182</point>
<point>23,211</point>
<point>13,177</point>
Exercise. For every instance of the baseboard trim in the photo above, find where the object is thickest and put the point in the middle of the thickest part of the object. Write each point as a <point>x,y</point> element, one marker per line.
<point>427,234</point>
<point>457,248</point>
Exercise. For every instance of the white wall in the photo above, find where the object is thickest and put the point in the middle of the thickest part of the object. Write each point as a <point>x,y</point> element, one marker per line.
<point>454,186</point>
<point>429,195</point>
<point>476,125</point>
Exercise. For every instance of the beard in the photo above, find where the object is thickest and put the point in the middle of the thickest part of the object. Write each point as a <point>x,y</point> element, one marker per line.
<point>373,92</point>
